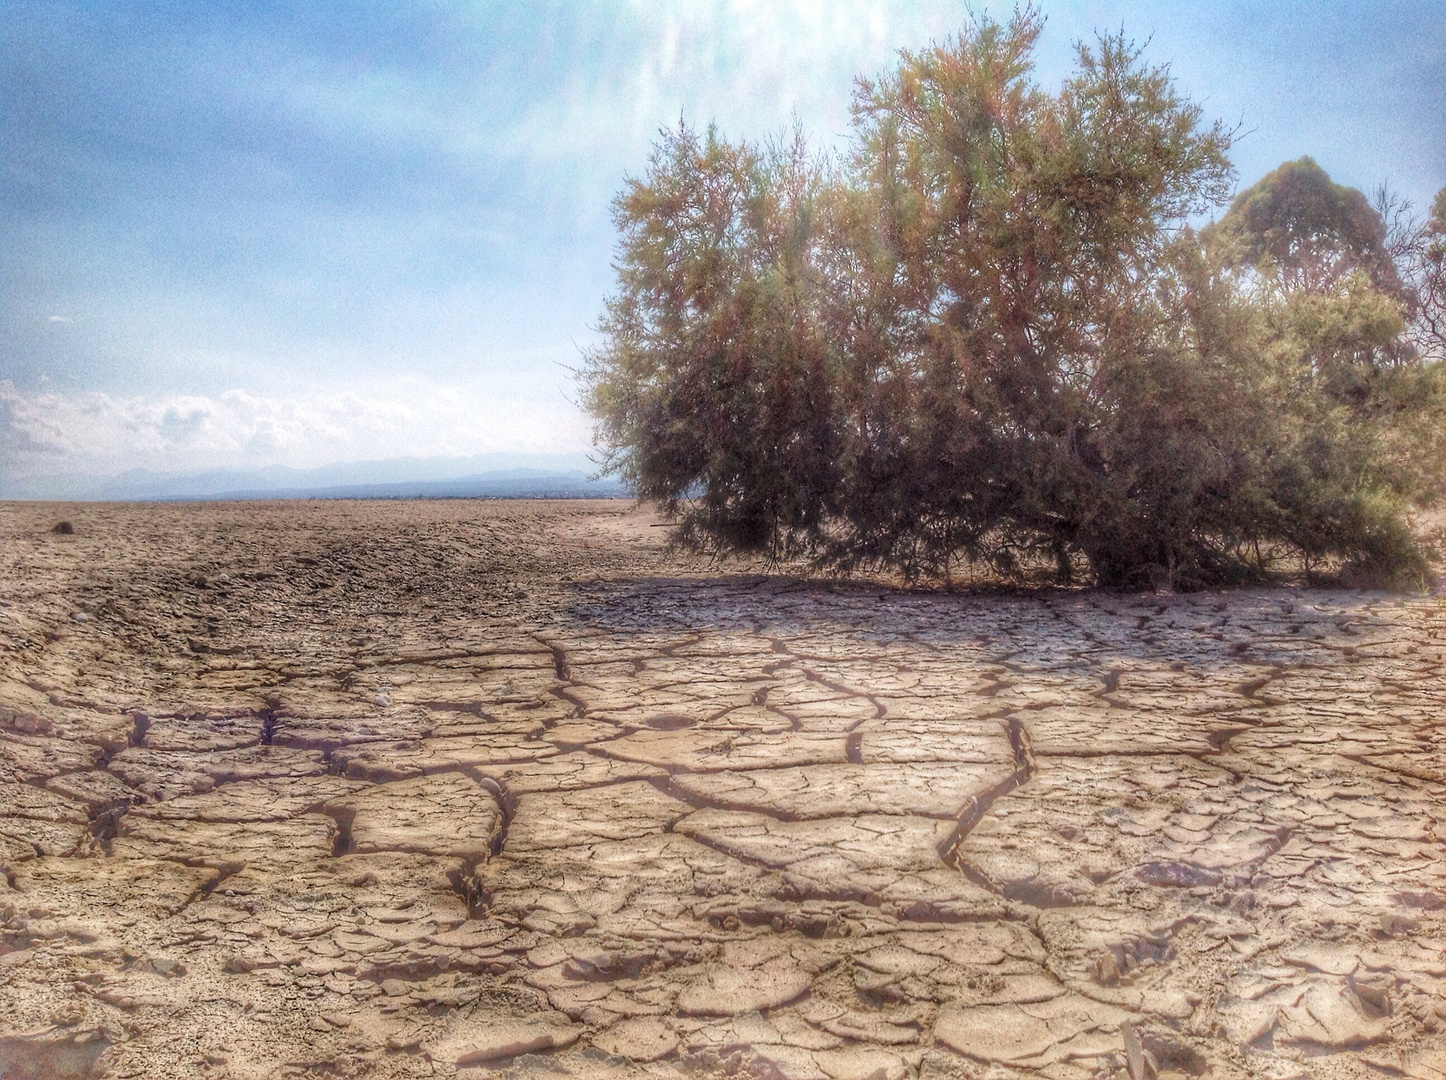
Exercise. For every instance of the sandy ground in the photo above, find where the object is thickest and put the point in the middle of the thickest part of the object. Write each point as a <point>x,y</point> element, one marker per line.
<point>452,788</point>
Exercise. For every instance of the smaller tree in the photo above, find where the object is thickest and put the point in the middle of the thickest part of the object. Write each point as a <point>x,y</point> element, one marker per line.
<point>1355,440</point>
<point>712,386</point>
<point>1298,225</point>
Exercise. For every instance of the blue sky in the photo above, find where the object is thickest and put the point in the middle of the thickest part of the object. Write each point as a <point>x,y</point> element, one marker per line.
<point>260,233</point>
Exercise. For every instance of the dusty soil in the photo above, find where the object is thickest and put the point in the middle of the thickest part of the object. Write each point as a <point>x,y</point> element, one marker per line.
<point>420,789</point>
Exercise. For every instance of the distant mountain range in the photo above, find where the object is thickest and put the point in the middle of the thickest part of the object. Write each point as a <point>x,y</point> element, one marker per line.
<point>485,476</point>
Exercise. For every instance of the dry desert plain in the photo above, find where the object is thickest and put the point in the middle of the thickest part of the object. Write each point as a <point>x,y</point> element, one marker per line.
<point>407,789</point>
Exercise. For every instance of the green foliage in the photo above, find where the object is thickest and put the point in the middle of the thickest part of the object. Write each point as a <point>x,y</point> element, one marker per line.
<point>715,385</point>
<point>1357,439</point>
<point>989,335</point>
<point>1298,224</point>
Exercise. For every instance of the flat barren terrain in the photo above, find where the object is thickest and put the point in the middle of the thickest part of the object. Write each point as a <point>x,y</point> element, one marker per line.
<point>451,788</point>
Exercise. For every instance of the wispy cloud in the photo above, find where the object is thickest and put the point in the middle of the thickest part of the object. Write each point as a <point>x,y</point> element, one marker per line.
<point>48,433</point>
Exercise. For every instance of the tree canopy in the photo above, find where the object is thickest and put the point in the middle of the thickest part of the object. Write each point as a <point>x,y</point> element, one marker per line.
<point>1297,223</point>
<point>989,334</point>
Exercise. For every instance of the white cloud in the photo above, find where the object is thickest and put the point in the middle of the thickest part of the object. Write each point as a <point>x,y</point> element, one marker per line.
<point>46,434</point>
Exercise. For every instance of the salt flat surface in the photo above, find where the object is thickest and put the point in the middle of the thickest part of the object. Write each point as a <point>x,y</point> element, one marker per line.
<point>455,788</point>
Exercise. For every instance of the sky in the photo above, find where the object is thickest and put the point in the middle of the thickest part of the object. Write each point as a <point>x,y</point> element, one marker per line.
<point>244,234</point>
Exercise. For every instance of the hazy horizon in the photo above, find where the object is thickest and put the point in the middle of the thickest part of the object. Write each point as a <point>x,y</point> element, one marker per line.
<point>522,474</point>
<point>259,236</point>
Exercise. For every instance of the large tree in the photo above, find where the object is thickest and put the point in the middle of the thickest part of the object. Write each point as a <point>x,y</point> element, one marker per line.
<point>1025,247</point>
<point>990,334</point>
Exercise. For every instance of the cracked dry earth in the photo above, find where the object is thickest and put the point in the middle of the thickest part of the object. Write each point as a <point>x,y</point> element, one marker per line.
<point>432,789</point>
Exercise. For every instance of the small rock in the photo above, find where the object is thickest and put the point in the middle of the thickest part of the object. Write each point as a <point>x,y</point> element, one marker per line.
<point>1134,1052</point>
<point>1393,924</point>
<point>67,1015</point>
<point>165,967</point>
<point>1179,875</point>
<point>63,528</point>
